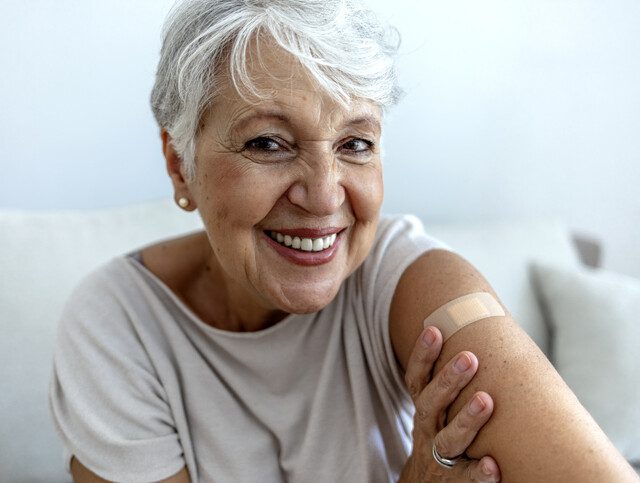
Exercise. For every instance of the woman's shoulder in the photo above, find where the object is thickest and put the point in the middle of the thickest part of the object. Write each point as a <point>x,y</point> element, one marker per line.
<point>400,240</point>
<point>177,261</point>
<point>118,282</point>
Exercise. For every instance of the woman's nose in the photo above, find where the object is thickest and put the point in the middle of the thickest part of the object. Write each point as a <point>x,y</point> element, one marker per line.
<point>319,191</point>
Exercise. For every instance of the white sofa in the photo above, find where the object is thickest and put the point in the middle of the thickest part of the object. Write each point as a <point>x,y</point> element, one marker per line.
<point>533,265</point>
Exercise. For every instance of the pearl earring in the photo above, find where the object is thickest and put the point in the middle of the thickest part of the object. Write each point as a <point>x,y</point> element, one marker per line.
<point>183,202</point>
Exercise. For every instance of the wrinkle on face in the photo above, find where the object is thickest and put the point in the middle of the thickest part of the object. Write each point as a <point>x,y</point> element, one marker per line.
<point>326,116</point>
<point>240,196</point>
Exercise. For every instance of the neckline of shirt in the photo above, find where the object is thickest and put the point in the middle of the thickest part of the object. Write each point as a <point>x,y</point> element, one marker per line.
<point>143,271</point>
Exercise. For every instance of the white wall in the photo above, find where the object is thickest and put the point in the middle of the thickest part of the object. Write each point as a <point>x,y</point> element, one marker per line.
<point>513,109</point>
<point>75,123</point>
<point>522,108</point>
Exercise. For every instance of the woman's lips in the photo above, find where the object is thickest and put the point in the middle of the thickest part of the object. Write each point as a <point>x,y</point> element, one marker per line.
<point>306,258</point>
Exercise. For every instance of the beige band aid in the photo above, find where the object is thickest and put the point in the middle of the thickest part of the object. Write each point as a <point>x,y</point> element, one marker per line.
<point>454,315</point>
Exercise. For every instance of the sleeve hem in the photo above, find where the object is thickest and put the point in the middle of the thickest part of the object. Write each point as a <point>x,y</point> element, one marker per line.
<point>158,473</point>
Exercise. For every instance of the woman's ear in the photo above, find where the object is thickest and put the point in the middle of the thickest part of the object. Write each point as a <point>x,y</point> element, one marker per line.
<point>182,194</point>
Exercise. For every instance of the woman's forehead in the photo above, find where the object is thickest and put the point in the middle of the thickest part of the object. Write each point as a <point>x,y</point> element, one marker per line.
<point>285,90</point>
<point>293,102</point>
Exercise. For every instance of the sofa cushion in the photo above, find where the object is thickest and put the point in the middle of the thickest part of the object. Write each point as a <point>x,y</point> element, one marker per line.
<point>596,325</point>
<point>42,257</point>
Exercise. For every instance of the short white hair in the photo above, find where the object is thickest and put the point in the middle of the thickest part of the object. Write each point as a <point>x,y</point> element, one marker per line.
<point>342,44</point>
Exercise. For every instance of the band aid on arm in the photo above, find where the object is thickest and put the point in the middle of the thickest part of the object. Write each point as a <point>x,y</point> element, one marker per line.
<point>454,315</point>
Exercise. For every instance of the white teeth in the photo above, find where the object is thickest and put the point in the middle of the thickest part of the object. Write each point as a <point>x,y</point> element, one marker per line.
<point>304,244</point>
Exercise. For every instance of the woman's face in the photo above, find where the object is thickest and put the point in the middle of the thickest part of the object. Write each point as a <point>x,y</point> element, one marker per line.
<point>297,167</point>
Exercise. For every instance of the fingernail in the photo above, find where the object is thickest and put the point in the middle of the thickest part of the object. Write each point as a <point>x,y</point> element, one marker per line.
<point>487,469</point>
<point>429,338</point>
<point>462,363</point>
<point>476,406</point>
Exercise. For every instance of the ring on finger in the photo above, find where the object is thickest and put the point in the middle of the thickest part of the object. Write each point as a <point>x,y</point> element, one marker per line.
<point>441,460</point>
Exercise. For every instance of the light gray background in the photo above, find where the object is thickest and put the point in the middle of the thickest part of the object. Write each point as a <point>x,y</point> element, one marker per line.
<point>514,109</point>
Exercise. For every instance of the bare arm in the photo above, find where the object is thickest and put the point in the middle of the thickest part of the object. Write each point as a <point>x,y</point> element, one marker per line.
<point>539,431</point>
<point>83,475</point>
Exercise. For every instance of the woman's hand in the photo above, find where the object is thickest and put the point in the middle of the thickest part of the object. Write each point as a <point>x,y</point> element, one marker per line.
<point>431,402</point>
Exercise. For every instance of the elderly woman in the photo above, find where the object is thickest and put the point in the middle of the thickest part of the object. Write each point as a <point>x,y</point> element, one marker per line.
<point>286,340</point>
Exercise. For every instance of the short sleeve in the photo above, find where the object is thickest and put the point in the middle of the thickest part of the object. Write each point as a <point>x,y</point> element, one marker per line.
<point>107,402</point>
<point>400,241</point>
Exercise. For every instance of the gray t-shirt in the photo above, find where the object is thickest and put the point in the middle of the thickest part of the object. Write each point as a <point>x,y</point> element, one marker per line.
<point>141,387</point>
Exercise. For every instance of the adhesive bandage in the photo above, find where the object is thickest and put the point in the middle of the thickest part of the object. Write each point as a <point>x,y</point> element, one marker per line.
<point>454,315</point>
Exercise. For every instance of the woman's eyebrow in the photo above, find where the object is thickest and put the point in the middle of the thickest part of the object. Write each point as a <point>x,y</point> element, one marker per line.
<point>255,115</point>
<point>368,121</point>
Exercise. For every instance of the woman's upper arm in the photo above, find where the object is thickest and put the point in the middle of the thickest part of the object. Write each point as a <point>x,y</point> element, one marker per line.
<point>81,474</point>
<point>539,431</point>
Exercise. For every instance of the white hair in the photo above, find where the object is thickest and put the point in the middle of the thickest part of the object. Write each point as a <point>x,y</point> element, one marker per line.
<point>342,44</point>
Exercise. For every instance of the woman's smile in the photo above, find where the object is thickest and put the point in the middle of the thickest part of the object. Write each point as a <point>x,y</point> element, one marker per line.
<point>310,250</point>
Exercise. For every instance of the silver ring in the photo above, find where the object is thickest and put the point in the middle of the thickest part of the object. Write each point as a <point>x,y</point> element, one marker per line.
<point>444,462</point>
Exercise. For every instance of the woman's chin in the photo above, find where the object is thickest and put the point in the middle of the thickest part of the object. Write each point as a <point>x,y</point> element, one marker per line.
<point>306,301</point>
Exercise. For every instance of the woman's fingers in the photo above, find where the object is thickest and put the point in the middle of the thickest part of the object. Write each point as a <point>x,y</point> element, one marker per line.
<point>432,401</point>
<point>485,470</point>
<point>437,396</point>
<point>421,361</point>
<point>455,438</point>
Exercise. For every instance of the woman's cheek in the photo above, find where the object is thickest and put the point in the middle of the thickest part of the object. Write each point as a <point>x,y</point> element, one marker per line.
<point>365,188</point>
<point>239,190</point>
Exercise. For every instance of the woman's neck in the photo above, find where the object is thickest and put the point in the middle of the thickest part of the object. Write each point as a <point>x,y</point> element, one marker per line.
<point>188,266</point>
<point>223,304</point>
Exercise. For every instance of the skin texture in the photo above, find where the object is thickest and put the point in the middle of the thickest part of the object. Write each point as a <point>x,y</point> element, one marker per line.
<point>539,431</point>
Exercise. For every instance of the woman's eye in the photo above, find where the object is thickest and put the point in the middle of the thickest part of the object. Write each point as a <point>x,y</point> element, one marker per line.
<point>358,146</point>
<point>263,144</point>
